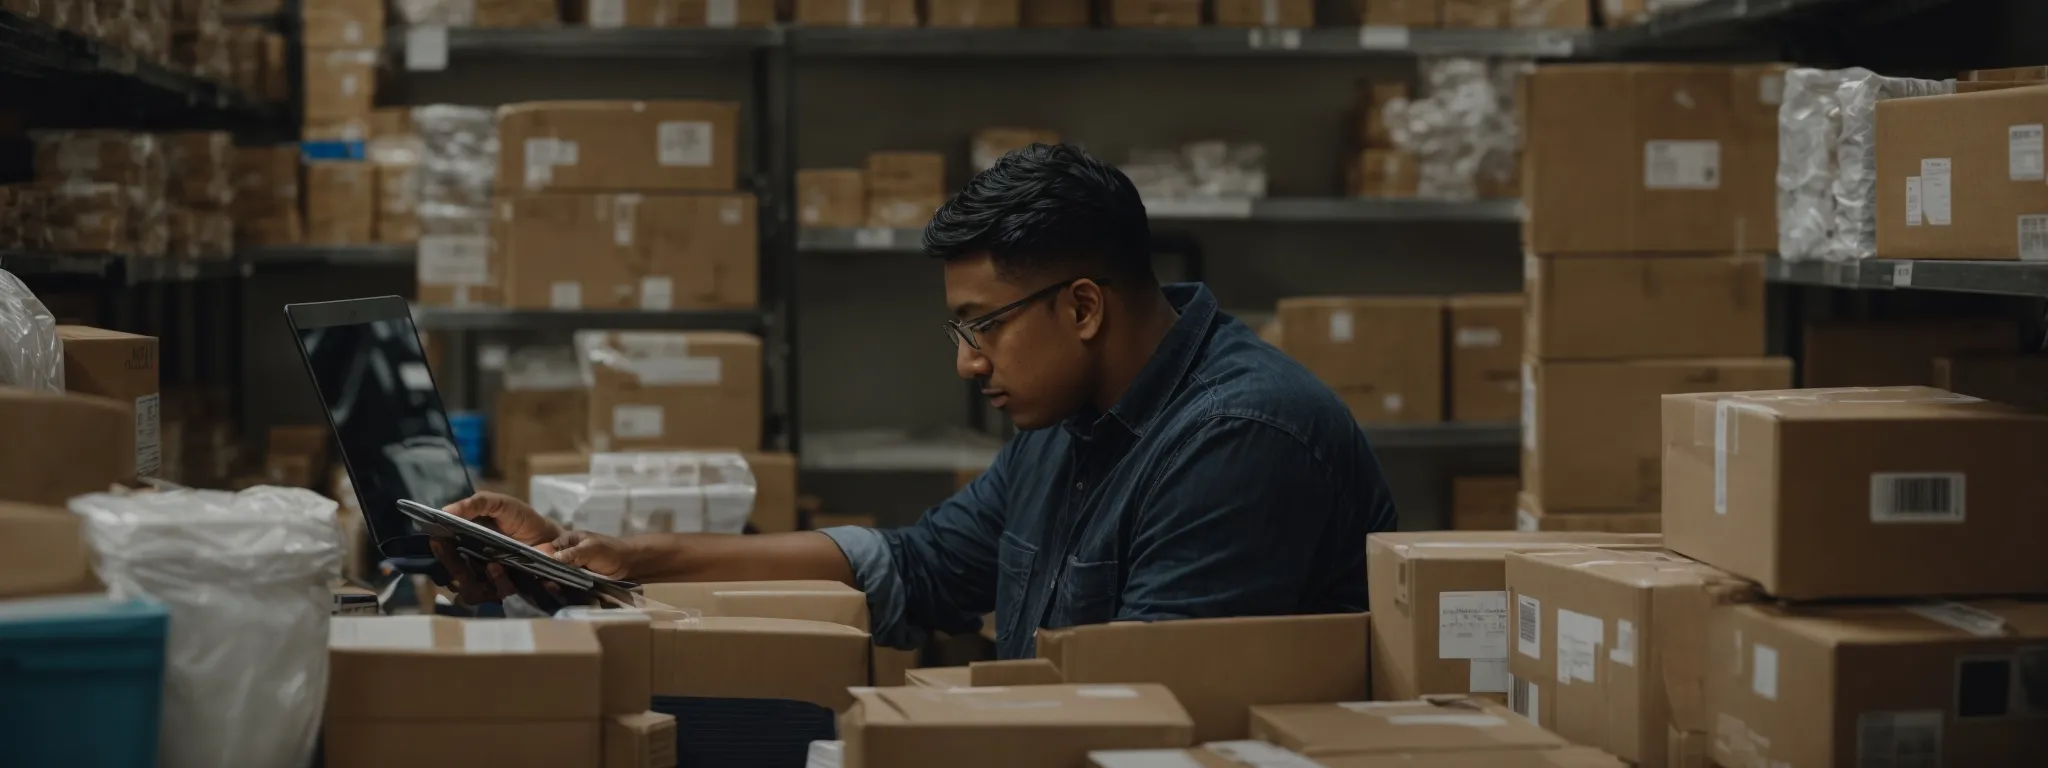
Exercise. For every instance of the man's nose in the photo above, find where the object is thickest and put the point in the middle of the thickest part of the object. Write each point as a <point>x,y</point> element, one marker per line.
<point>969,362</point>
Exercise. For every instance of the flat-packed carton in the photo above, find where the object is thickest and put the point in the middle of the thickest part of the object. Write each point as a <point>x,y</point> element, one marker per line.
<point>1153,13</point>
<point>676,390</point>
<point>51,556</point>
<point>498,692</point>
<point>644,740</point>
<point>1484,502</point>
<point>530,421</point>
<point>753,658</point>
<point>831,197</point>
<point>1401,13</point>
<point>1589,429</point>
<point>1627,158</point>
<point>1612,643</point>
<point>856,13</point>
<point>1932,684</point>
<point>122,367</point>
<point>1876,353</point>
<point>1608,307</point>
<point>1486,357</point>
<point>978,14</point>
<point>628,251</point>
<point>826,601</point>
<point>1218,667</point>
<point>1433,724</point>
<point>1033,726</point>
<point>1382,354</point>
<point>1863,492</point>
<point>1442,621</point>
<point>341,203</point>
<point>1292,14</point>
<point>341,23</point>
<point>2020,380</point>
<point>1960,176</point>
<point>338,82</point>
<point>634,146</point>
<point>1530,516</point>
<point>1258,754</point>
<point>627,638</point>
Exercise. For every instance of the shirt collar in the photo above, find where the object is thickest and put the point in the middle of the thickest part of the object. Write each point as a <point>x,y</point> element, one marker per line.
<point>1148,394</point>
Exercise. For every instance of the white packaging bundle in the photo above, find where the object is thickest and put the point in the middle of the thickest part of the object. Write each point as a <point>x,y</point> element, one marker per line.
<point>1855,235</point>
<point>655,492</point>
<point>1809,124</point>
<point>245,576</point>
<point>31,356</point>
<point>1464,125</point>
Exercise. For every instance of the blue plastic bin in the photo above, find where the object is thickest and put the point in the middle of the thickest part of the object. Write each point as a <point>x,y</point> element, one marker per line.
<point>469,428</point>
<point>315,151</point>
<point>81,681</point>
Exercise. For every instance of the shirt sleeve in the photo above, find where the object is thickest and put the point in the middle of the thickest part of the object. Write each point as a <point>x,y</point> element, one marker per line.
<point>938,573</point>
<point>1210,544</point>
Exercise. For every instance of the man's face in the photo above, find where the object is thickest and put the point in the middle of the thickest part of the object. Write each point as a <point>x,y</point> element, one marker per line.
<point>1033,363</point>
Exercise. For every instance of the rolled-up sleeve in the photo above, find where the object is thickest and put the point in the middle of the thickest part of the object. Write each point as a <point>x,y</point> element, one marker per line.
<point>938,573</point>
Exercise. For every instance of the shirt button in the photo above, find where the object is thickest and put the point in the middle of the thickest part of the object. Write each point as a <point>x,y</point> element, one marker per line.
<point>1080,486</point>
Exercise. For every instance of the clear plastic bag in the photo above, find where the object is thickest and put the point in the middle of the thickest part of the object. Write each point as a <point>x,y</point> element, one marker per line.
<point>458,166</point>
<point>245,576</point>
<point>31,356</point>
<point>654,492</point>
<point>1466,125</point>
<point>1809,125</point>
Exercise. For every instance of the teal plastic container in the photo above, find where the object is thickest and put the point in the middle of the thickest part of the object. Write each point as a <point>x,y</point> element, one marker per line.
<point>81,681</point>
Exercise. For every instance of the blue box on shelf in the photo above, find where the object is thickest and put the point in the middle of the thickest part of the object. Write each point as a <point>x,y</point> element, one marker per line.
<point>83,680</point>
<point>314,151</point>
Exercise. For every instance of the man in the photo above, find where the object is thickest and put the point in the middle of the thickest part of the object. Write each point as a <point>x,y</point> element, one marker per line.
<point>1171,465</point>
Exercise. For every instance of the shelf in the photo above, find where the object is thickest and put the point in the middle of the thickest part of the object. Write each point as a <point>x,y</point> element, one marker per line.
<point>127,269</point>
<point>1714,17</point>
<point>378,255</point>
<point>431,48</point>
<point>486,319</point>
<point>65,72</point>
<point>1192,42</point>
<point>896,451</point>
<point>1305,210</point>
<point>2003,278</point>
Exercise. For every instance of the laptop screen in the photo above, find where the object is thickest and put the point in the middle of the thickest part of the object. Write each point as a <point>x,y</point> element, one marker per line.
<point>371,373</point>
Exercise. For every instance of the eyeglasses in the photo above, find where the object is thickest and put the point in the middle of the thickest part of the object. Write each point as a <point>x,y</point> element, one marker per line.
<point>967,331</point>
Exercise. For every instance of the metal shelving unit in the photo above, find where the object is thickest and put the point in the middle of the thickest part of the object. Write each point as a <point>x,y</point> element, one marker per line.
<point>66,74</point>
<point>1182,43</point>
<point>435,48</point>
<point>125,270</point>
<point>487,319</point>
<point>2000,278</point>
<point>381,255</point>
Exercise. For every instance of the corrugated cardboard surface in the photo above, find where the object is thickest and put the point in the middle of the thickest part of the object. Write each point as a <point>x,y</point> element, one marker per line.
<point>1401,13</point>
<point>121,366</point>
<point>1871,685</point>
<point>84,444</point>
<point>50,554</point>
<point>628,251</point>
<point>342,23</point>
<point>940,677</point>
<point>637,146</point>
<point>1015,672</point>
<point>338,82</point>
<point>1607,307</point>
<point>1251,753</point>
<point>1217,667</point>
<point>754,658</point>
<point>1266,13</point>
<point>906,173</point>
<point>831,197</point>
<point>838,13</point>
<point>644,740</point>
<point>627,638</point>
<point>1383,355</point>
<point>1791,489</point>
<point>1878,353</point>
<point>1447,724</point>
<point>1589,436</point>
<point>341,202</point>
<point>1957,180</point>
<point>436,743</point>
<point>2019,380</point>
<point>722,408</point>
<point>1622,158</point>
<point>1484,502</point>
<point>1486,357</point>
<point>1154,13</point>
<point>1530,516</point>
<point>827,601</point>
<point>1631,627</point>
<point>1048,726</point>
<point>460,669</point>
<point>1408,574</point>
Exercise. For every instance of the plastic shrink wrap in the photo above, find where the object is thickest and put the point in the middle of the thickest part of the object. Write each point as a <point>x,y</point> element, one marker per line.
<point>1809,123</point>
<point>651,492</point>
<point>1464,130</point>
<point>1855,231</point>
<point>31,356</point>
<point>245,576</point>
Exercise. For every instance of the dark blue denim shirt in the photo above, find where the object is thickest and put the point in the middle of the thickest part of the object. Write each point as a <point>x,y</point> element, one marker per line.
<point>1227,481</point>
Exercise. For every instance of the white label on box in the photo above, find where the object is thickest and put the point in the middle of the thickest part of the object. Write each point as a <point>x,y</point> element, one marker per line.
<point>732,213</point>
<point>2023,152</point>
<point>1525,521</point>
<point>1133,758</point>
<point>1467,720</point>
<point>1770,89</point>
<point>1488,676</point>
<point>492,357</point>
<point>1624,652</point>
<point>874,238</point>
<point>149,442</point>
<point>384,632</point>
<point>636,421</point>
<point>1528,407</point>
<point>1721,427</point>
<point>352,32</point>
<point>565,294</point>
<point>1914,215</point>
<point>1478,337</point>
<point>1257,754</point>
<point>1579,639</point>
<point>566,151</point>
<point>1934,190</point>
<point>1612,9</point>
<point>1392,403</point>
<point>674,371</point>
<point>540,160</point>
<point>1106,692</point>
<point>2033,237</point>
<point>497,637</point>
<point>1529,626</point>
<point>1902,275</point>
<point>606,14</point>
<point>1763,671</point>
<point>625,218</point>
<point>721,14</point>
<point>413,374</point>
<point>684,142</point>
<point>1917,497</point>
<point>349,85</point>
<point>1472,625</point>
<point>1382,38</point>
<point>1681,165</point>
<point>1899,739</point>
<point>657,293</point>
<point>1340,326</point>
<point>426,48</point>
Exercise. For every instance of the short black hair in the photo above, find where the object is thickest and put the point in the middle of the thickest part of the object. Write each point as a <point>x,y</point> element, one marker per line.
<point>1048,208</point>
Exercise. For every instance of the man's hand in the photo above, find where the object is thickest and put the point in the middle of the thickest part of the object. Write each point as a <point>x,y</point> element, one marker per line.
<point>602,555</point>
<point>511,517</point>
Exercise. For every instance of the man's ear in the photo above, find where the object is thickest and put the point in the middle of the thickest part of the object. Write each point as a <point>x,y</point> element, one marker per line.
<point>1089,305</point>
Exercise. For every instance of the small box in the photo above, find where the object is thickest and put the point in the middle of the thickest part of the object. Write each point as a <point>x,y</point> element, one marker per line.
<point>856,13</point>
<point>200,167</point>
<point>906,174</point>
<point>774,491</point>
<point>266,181</point>
<point>991,144</point>
<point>2018,380</point>
<point>1370,129</point>
<point>670,390</point>
<point>123,367</point>
<point>1038,726</point>
<point>1155,13</point>
<point>898,211</point>
<point>1530,516</point>
<point>1590,429</point>
<point>1608,307</point>
<point>341,201</point>
<point>643,146</point>
<point>1400,13</point>
<point>831,197</point>
<point>981,14</point>
<point>1960,176</point>
<point>1392,727</point>
<point>759,658</point>
<point>1486,357</point>
<point>53,557</point>
<point>397,218</point>
<point>1858,492</point>
<point>644,740</point>
<point>1294,14</point>
<point>1895,353</point>
<point>1484,502</point>
<point>1383,173</point>
<point>341,23</point>
<point>339,82</point>
<point>81,445</point>
<point>653,252</point>
<point>626,637</point>
<point>1383,354</point>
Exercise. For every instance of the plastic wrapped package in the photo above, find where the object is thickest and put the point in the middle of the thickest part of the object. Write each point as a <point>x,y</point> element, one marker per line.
<point>1855,231</point>
<point>1201,170</point>
<point>651,492</point>
<point>458,167</point>
<point>245,576</point>
<point>1465,124</point>
<point>1809,123</point>
<point>31,356</point>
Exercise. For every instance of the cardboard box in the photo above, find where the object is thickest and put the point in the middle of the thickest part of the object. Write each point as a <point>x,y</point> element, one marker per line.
<point>629,251</point>
<point>51,556</point>
<point>1441,627</point>
<point>678,390</point>
<point>200,168</point>
<point>1960,177</point>
<point>122,367</point>
<point>341,203</point>
<point>1382,354</point>
<point>939,677</point>
<point>2019,380</point>
<point>826,601</point>
<point>644,740</point>
<point>1589,429</point>
<point>338,82</point>
<point>1894,353</point>
<point>831,197</point>
<point>1218,667</point>
<point>1437,724</point>
<point>1400,13</point>
<point>991,144</point>
<point>1237,754</point>
<point>1369,129</point>
<point>906,173</point>
<point>1294,14</point>
<point>1530,516</point>
<point>1626,158</point>
<point>1612,641</point>
<point>1870,685</point>
<point>1154,13</point>
<point>752,658</point>
<point>1863,492</point>
<point>1383,173</point>
<point>627,640</point>
<point>672,13</point>
<point>641,146</point>
<point>1486,357</point>
<point>1057,14</point>
<point>850,13</point>
<point>1484,502</point>
<point>266,182</point>
<point>897,211</point>
<point>892,666</point>
<point>341,23</point>
<point>984,674</point>
<point>1036,726</point>
<point>982,14</point>
<point>1479,14</point>
<point>1609,307</point>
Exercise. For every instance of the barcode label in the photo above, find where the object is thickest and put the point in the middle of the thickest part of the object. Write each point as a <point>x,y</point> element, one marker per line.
<point>1526,700</point>
<point>1529,626</point>
<point>1898,739</point>
<point>1916,497</point>
<point>2023,152</point>
<point>1914,216</point>
<point>2034,238</point>
<point>149,443</point>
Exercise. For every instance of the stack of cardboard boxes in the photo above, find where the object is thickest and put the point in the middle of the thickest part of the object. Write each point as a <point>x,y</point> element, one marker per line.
<point>338,65</point>
<point>1374,168</point>
<point>1401,360</point>
<point>1650,195</point>
<point>105,191</point>
<point>904,188</point>
<point>202,187</point>
<point>1484,14</point>
<point>266,198</point>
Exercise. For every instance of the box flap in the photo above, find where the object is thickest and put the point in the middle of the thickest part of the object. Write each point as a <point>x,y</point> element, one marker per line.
<point>827,601</point>
<point>439,668</point>
<point>1429,725</point>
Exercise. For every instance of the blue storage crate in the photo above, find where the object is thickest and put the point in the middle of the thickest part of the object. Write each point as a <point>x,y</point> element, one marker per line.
<point>81,681</point>
<point>315,151</point>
